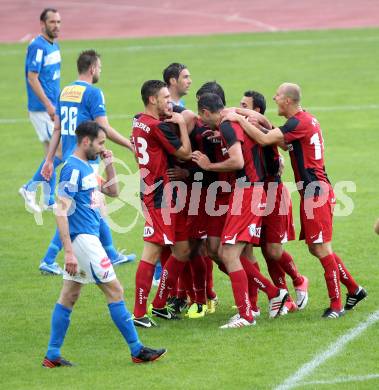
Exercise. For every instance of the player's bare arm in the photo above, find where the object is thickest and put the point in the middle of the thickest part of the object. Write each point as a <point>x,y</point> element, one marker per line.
<point>254,116</point>
<point>70,261</point>
<point>262,136</point>
<point>190,118</point>
<point>110,185</point>
<point>184,152</point>
<point>48,168</point>
<point>38,90</point>
<point>113,134</point>
<point>233,163</point>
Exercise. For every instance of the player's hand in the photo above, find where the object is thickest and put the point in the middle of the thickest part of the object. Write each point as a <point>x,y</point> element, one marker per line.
<point>177,173</point>
<point>176,118</point>
<point>107,156</point>
<point>201,160</point>
<point>51,111</point>
<point>70,263</point>
<point>47,170</point>
<point>376,227</point>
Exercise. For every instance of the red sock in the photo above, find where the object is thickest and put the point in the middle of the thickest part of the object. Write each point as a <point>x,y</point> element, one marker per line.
<point>253,291</point>
<point>187,282</point>
<point>209,264</point>
<point>181,286</point>
<point>331,275</point>
<point>263,283</point>
<point>240,292</point>
<point>198,272</point>
<point>289,267</point>
<point>170,273</point>
<point>345,277</point>
<point>144,277</point>
<point>278,276</point>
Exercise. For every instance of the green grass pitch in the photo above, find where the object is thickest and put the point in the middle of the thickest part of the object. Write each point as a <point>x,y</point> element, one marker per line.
<point>338,72</point>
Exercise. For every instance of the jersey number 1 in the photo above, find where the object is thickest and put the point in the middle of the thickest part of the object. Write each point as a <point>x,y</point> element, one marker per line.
<point>69,116</point>
<point>315,140</point>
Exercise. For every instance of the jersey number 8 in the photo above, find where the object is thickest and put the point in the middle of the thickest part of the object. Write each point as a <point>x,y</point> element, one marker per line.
<point>69,116</point>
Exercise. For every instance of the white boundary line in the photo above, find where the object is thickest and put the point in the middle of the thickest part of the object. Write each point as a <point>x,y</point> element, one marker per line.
<point>342,379</point>
<point>332,350</point>
<point>124,47</point>
<point>366,107</point>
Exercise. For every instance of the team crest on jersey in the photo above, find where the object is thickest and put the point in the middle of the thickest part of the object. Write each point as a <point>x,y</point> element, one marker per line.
<point>148,231</point>
<point>254,231</point>
<point>72,93</point>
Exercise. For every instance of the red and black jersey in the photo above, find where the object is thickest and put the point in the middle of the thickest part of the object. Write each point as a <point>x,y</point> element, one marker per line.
<point>303,135</point>
<point>271,158</point>
<point>154,142</point>
<point>253,170</point>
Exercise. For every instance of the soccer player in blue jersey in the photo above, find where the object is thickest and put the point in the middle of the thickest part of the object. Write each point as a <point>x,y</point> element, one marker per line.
<point>79,102</point>
<point>78,219</point>
<point>42,75</point>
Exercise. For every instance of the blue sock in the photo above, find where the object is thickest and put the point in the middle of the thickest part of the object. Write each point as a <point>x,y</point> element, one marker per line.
<point>123,320</point>
<point>106,240</point>
<point>53,249</point>
<point>48,186</point>
<point>60,321</point>
<point>158,270</point>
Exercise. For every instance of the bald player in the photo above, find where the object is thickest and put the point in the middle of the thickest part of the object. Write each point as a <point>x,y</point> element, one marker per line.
<point>302,135</point>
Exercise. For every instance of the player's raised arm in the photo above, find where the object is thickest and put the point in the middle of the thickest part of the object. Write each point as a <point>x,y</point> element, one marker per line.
<point>110,185</point>
<point>263,137</point>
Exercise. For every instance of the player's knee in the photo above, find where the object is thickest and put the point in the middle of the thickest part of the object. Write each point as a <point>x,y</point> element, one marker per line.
<point>69,298</point>
<point>274,252</point>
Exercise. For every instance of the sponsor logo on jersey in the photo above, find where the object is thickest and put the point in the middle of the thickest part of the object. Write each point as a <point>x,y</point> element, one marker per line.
<point>72,93</point>
<point>148,231</point>
<point>254,231</point>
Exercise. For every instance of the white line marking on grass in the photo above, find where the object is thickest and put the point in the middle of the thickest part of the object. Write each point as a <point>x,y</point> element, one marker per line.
<point>124,47</point>
<point>333,349</point>
<point>342,379</point>
<point>367,107</point>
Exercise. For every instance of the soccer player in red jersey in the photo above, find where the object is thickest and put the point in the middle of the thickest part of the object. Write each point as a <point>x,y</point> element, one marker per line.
<point>302,135</point>
<point>243,220</point>
<point>277,225</point>
<point>154,142</point>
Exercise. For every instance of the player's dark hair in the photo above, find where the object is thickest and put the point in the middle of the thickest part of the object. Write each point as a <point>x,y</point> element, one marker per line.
<point>89,129</point>
<point>211,87</point>
<point>44,13</point>
<point>210,102</point>
<point>86,59</point>
<point>151,88</point>
<point>173,71</point>
<point>258,100</point>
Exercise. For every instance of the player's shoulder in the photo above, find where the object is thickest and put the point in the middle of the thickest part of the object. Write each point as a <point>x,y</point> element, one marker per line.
<point>37,42</point>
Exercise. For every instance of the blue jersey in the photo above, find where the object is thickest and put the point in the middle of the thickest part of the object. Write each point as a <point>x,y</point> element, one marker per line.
<point>78,102</point>
<point>44,58</point>
<point>78,182</point>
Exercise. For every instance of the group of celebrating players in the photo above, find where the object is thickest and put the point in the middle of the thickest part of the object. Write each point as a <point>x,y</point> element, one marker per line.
<point>212,191</point>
